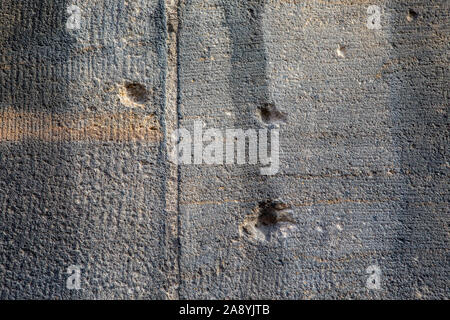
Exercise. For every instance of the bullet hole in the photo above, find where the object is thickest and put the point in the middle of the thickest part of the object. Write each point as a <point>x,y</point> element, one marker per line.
<point>269,114</point>
<point>251,12</point>
<point>341,51</point>
<point>170,27</point>
<point>272,212</point>
<point>136,92</point>
<point>411,16</point>
<point>273,220</point>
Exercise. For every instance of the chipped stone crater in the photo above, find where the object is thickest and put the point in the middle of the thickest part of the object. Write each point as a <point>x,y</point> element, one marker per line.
<point>271,115</point>
<point>273,220</point>
<point>133,94</point>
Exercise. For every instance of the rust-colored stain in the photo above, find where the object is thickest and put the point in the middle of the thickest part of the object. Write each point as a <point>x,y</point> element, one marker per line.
<point>88,126</point>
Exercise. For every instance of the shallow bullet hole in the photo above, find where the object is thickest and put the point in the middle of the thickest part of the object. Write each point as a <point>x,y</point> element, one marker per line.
<point>136,92</point>
<point>341,51</point>
<point>270,114</point>
<point>412,15</point>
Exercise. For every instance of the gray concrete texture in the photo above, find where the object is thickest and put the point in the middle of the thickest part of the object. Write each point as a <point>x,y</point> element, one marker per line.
<point>86,118</point>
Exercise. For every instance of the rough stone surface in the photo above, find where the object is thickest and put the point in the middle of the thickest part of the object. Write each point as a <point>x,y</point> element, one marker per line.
<point>86,118</point>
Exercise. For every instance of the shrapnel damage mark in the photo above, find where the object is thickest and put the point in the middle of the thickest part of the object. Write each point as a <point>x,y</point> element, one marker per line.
<point>133,94</point>
<point>271,115</point>
<point>273,219</point>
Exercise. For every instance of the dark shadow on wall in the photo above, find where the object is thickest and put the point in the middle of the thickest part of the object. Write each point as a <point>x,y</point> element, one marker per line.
<point>417,79</point>
<point>249,84</point>
<point>35,50</point>
<point>36,177</point>
<point>248,79</point>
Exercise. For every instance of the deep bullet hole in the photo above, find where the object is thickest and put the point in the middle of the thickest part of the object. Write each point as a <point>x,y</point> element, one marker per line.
<point>272,212</point>
<point>274,219</point>
<point>412,15</point>
<point>136,92</point>
<point>251,12</point>
<point>270,114</point>
<point>170,27</point>
<point>341,51</point>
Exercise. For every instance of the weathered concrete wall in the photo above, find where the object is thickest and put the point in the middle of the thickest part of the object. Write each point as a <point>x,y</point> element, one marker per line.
<point>82,164</point>
<point>86,118</point>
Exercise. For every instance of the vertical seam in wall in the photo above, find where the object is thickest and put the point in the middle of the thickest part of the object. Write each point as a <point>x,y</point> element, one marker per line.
<point>171,123</point>
<point>178,114</point>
